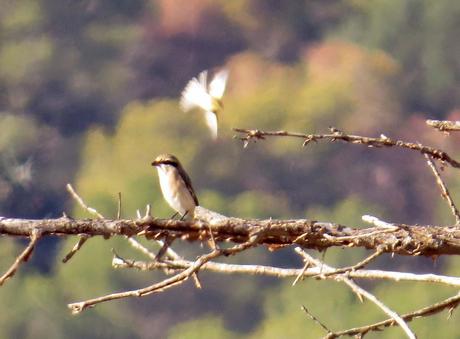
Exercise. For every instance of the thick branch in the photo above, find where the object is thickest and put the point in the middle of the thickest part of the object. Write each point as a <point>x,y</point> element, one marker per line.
<point>400,239</point>
<point>383,141</point>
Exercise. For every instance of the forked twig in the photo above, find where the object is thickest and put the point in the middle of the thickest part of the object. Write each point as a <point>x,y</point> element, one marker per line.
<point>360,292</point>
<point>447,304</point>
<point>167,283</point>
<point>83,238</point>
<point>137,245</point>
<point>23,257</point>
<point>357,266</point>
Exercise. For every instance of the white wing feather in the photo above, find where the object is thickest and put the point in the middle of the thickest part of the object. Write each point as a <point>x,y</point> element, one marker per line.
<point>195,94</point>
<point>211,121</point>
<point>203,78</point>
<point>218,83</point>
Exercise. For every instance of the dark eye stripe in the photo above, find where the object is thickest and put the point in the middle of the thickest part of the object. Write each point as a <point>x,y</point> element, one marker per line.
<point>169,162</point>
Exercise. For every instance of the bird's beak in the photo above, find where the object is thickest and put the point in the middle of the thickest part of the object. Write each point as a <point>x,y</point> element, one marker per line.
<point>154,163</point>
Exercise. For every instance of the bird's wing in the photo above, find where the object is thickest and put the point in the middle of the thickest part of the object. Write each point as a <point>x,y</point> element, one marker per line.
<point>218,83</point>
<point>188,183</point>
<point>203,78</point>
<point>195,94</point>
<point>211,121</point>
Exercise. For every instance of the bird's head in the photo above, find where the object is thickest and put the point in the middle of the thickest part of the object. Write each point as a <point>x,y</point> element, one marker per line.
<point>166,159</point>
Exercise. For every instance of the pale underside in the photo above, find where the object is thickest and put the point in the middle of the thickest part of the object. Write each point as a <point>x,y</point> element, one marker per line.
<point>175,191</point>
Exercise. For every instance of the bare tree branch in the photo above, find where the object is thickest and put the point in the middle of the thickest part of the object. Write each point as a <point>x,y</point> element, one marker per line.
<point>383,141</point>
<point>359,291</point>
<point>444,125</point>
<point>167,283</point>
<point>357,266</point>
<point>83,238</point>
<point>75,248</point>
<point>24,256</point>
<point>316,320</point>
<point>277,272</point>
<point>449,303</point>
<point>83,205</point>
<point>404,240</point>
<point>444,191</point>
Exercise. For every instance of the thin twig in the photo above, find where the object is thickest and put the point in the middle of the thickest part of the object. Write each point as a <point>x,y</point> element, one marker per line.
<point>167,283</point>
<point>444,191</point>
<point>316,320</point>
<point>83,238</point>
<point>301,274</point>
<point>211,236</point>
<point>357,266</point>
<point>158,287</point>
<point>80,201</point>
<point>23,257</point>
<point>392,314</point>
<point>75,248</point>
<point>444,125</point>
<point>133,242</point>
<point>447,304</point>
<point>360,291</point>
<point>382,141</point>
<point>119,206</point>
<point>379,223</point>
<point>138,246</point>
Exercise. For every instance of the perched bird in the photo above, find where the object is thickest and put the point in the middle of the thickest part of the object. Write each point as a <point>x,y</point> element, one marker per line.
<point>176,185</point>
<point>198,94</point>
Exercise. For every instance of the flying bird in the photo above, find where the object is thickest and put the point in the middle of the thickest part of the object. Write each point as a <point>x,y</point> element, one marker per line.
<point>198,94</point>
<point>176,185</point>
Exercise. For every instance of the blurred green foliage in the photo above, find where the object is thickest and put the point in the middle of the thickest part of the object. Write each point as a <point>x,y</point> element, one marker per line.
<point>89,95</point>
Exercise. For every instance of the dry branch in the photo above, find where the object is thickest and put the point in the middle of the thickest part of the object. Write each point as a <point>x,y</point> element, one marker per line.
<point>404,239</point>
<point>444,125</point>
<point>444,191</point>
<point>24,256</point>
<point>382,141</point>
<point>447,304</point>
<point>359,291</point>
<point>277,272</point>
<point>383,237</point>
<point>167,283</point>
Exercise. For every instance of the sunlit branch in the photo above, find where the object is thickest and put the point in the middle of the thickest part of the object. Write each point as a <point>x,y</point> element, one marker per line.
<point>444,125</point>
<point>166,283</point>
<point>447,304</point>
<point>248,135</point>
<point>361,292</point>
<point>24,256</point>
<point>277,272</point>
<point>402,239</point>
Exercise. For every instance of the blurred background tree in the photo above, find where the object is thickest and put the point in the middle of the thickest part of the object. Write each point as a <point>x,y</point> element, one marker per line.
<point>89,95</point>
